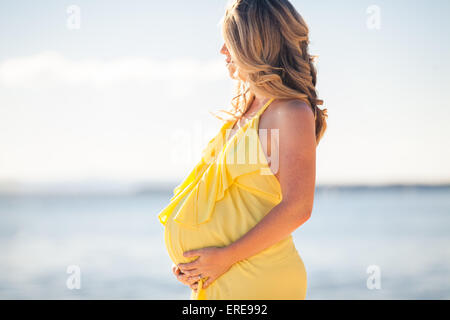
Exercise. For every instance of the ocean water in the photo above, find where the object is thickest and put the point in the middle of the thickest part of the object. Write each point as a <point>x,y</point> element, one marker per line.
<point>117,244</point>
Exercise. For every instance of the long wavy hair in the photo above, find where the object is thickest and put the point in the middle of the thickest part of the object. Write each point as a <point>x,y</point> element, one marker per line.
<point>268,41</point>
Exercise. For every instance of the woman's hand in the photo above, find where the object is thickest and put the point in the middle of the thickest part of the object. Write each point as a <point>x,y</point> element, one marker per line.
<point>211,263</point>
<point>183,278</point>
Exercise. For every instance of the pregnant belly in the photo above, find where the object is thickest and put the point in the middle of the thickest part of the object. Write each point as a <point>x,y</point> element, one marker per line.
<point>179,239</point>
<point>233,217</point>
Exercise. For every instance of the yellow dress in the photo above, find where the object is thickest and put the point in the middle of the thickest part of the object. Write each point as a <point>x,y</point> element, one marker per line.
<point>227,193</point>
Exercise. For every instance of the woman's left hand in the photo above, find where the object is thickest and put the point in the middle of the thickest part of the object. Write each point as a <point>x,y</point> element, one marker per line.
<point>211,263</point>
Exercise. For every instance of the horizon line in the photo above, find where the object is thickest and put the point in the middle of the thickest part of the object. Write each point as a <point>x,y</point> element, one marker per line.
<point>149,188</point>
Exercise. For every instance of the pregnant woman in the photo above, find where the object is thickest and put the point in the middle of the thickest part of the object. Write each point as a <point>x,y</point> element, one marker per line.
<point>228,225</point>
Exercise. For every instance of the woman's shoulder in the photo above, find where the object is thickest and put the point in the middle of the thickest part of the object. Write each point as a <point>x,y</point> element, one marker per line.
<point>284,112</point>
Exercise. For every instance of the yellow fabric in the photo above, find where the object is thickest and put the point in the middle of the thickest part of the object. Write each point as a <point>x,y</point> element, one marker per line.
<point>227,193</point>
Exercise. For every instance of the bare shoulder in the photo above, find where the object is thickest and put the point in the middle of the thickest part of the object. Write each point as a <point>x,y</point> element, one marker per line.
<point>287,113</point>
<point>294,143</point>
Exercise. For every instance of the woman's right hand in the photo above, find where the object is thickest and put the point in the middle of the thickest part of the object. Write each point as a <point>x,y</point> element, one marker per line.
<point>183,278</point>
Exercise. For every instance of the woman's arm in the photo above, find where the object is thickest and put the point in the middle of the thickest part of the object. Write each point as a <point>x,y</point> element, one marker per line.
<point>297,163</point>
<point>297,169</point>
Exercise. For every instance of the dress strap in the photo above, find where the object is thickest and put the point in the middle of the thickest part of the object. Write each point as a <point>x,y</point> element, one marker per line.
<point>264,107</point>
<point>231,124</point>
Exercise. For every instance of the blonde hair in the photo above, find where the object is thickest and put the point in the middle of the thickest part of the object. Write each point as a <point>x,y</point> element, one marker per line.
<point>268,42</point>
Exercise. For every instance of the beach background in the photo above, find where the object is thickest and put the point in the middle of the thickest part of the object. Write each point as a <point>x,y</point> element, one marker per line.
<point>118,245</point>
<point>104,109</point>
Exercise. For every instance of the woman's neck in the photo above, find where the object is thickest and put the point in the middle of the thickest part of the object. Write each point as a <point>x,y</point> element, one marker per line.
<point>258,102</point>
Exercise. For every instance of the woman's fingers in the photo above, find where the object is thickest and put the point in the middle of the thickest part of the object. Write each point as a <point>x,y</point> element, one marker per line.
<point>193,279</point>
<point>175,269</point>
<point>189,278</point>
<point>183,279</point>
<point>194,286</point>
<point>191,273</point>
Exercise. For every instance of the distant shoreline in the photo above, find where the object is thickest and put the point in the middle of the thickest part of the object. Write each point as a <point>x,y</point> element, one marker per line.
<point>80,189</point>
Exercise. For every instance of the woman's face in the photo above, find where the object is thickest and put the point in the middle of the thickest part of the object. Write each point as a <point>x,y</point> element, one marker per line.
<point>229,63</point>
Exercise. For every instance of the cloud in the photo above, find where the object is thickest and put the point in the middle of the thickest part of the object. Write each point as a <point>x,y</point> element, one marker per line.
<point>52,70</point>
<point>64,119</point>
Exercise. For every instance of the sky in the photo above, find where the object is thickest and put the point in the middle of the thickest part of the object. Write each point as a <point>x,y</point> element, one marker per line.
<point>124,93</point>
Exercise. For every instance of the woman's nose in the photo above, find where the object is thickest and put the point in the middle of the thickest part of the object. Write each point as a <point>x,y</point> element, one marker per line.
<point>223,50</point>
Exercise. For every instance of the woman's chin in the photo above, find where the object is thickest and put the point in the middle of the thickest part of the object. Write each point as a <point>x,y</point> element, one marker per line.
<point>232,72</point>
